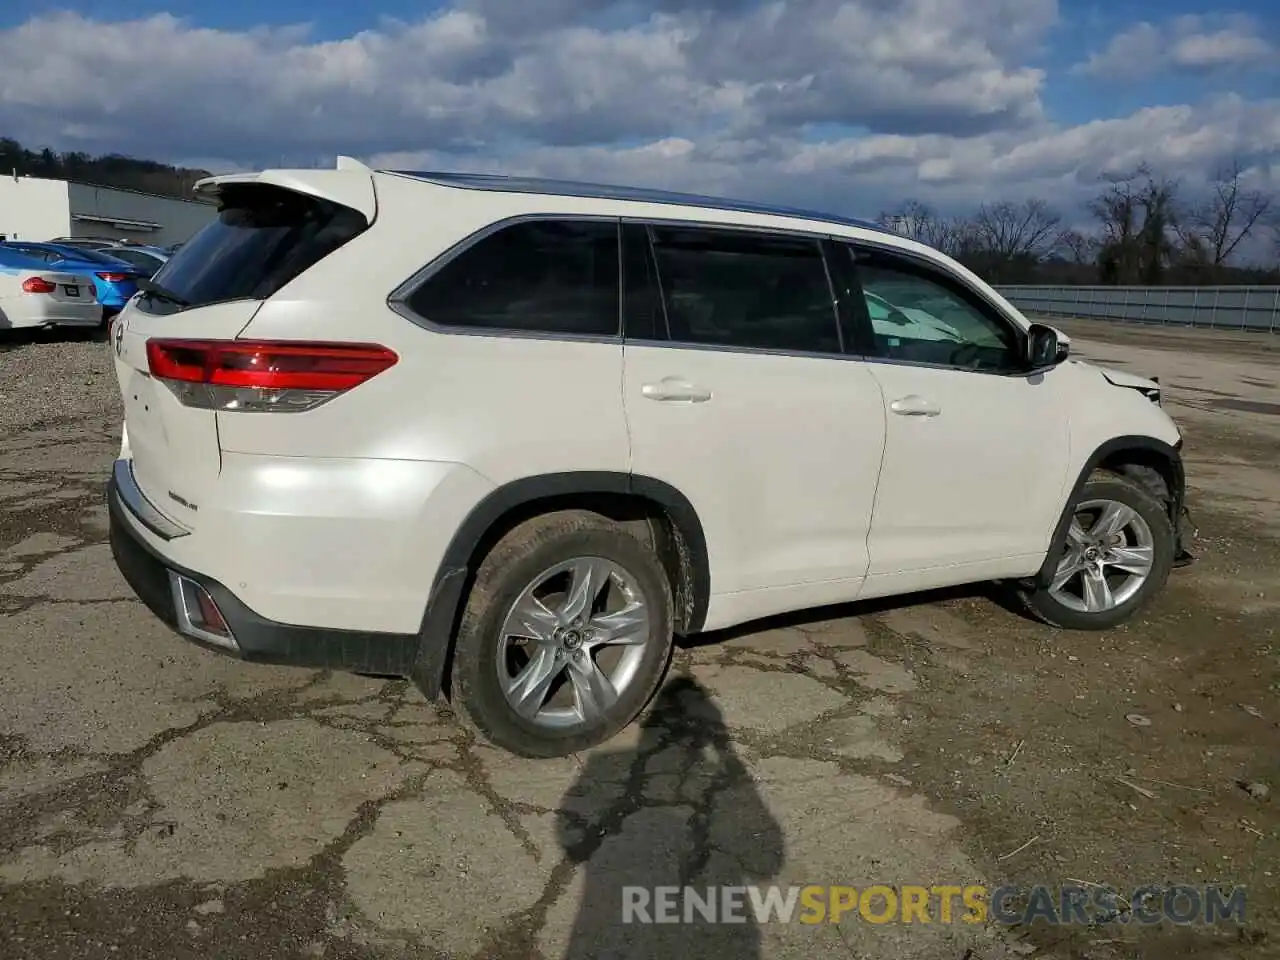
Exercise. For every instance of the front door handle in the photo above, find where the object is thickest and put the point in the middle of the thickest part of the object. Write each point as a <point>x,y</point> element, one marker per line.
<point>914,405</point>
<point>675,390</point>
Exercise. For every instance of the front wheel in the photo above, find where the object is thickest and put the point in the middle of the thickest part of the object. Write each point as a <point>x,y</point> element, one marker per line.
<point>566,635</point>
<point>1119,551</point>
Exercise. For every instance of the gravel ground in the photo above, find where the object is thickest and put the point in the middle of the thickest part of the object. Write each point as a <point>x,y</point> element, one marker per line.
<point>51,376</point>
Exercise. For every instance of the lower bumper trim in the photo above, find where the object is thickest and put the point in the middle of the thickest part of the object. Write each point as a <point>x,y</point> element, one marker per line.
<point>252,637</point>
<point>126,488</point>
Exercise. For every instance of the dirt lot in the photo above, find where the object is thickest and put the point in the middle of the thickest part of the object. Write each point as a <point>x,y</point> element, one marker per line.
<point>160,801</point>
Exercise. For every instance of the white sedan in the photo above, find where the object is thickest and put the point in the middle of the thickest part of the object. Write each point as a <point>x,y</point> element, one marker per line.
<point>35,297</point>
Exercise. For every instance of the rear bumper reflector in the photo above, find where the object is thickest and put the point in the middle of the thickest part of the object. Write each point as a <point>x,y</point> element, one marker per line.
<point>198,613</point>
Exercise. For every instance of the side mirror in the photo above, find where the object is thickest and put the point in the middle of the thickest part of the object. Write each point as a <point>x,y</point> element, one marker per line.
<point>1045,348</point>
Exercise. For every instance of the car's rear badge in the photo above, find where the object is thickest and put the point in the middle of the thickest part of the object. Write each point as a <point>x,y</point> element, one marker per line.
<point>186,503</point>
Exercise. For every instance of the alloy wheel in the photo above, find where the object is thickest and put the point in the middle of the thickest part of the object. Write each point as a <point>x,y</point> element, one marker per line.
<point>573,642</point>
<point>1109,555</point>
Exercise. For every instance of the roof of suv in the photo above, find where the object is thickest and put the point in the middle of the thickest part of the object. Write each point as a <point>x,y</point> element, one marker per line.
<point>600,191</point>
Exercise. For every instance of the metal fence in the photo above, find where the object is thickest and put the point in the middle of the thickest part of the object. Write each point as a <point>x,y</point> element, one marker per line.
<point>1223,308</point>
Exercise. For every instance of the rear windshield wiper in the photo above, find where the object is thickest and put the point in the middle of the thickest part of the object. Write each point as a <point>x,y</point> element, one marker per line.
<point>164,293</point>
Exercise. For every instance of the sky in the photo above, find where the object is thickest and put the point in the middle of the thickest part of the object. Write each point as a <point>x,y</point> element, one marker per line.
<point>848,105</point>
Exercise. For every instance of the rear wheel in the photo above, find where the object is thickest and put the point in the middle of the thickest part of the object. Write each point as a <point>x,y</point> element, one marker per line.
<point>1118,554</point>
<point>567,632</point>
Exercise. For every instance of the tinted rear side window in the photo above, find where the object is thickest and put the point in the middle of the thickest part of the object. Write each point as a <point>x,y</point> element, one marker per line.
<point>541,276</point>
<point>742,289</point>
<point>263,237</point>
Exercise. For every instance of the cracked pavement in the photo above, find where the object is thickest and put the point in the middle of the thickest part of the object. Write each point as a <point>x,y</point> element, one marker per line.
<point>158,800</point>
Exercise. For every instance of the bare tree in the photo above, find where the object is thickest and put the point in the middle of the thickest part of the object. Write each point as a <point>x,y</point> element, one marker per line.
<point>1215,228</point>
<point>1077,247</point>
<point>1010,231</point>
<point>920,222</point>
<point>1138,214</point>
<point>964,239</point>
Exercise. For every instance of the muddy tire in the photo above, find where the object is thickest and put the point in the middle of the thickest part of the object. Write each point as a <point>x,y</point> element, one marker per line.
<point>1119,551</point>
<point>565,636</point>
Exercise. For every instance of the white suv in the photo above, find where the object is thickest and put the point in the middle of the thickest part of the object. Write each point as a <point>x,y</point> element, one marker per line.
<point>506,437</point>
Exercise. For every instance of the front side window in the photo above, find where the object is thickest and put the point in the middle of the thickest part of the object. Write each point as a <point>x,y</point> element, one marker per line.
<point>921,316</point>
<point>744,289</point>
<point>539,276</point>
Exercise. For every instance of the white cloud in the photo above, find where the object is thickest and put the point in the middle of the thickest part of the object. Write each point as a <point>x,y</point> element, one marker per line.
<point>1060,163</point>
<point>843,104</point>
<point>483,72</point>
<point>1190,43</point>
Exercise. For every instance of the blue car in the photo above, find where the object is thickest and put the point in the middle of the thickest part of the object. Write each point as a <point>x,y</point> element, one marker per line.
<point>147,258</point>
<point>114,280</point>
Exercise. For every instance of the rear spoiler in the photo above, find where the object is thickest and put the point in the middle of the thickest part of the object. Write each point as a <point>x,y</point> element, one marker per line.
<point>350,184</point>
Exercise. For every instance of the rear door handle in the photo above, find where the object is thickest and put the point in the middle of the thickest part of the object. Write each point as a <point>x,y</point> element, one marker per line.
<point>675,390</point>
<point>914,405</point>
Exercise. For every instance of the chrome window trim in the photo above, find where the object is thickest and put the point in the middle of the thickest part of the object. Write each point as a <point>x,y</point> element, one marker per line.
<point>849,357</point>
<point>397,300</point>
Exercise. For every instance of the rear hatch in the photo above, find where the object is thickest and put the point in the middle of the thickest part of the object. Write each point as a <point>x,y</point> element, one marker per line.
<point>270,228</point>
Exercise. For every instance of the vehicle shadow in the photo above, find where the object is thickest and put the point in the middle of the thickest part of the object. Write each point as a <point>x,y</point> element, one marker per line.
<point>999,594</point>
<point>684,812</point>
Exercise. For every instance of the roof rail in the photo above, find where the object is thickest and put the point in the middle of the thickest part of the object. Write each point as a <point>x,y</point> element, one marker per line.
<point>600,191</point>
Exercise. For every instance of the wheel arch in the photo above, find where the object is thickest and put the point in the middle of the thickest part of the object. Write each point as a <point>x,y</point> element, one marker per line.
<point>666,514</point>
<point>1136,456</point>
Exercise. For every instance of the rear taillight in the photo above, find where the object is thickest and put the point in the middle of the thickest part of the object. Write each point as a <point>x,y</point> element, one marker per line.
<point>38,285</point>
<point>256,376</point>
<point>113,277</point>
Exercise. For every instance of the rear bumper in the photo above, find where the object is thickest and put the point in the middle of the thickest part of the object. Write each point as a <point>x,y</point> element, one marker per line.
<point>168,590</point>
<point>35,311</point>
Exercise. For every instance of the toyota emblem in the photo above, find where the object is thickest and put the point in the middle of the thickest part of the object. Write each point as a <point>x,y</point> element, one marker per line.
<point>119,336</point>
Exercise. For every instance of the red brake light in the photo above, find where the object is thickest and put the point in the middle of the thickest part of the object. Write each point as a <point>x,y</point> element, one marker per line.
<point>260,376</point>
<point>113,277</point>
<point>38,285</point>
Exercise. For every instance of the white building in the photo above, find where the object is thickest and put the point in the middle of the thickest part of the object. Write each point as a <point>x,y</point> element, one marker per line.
<point>32,208</point>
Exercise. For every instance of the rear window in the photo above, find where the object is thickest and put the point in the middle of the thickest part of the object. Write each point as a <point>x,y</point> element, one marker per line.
<point>136,258</point>
<point>264,237</point>
<point>92,256</point>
